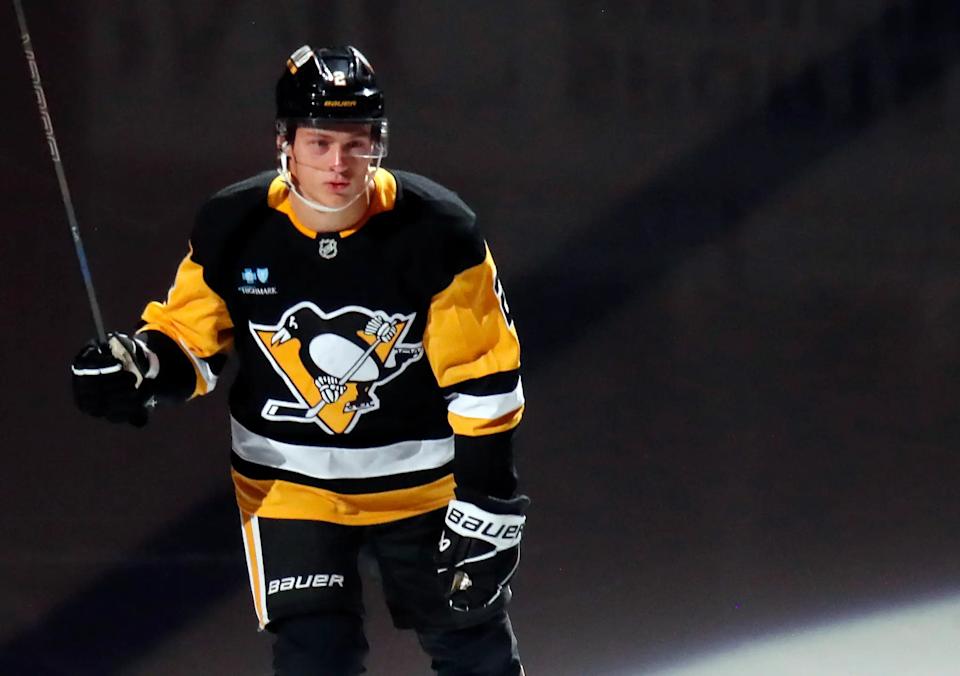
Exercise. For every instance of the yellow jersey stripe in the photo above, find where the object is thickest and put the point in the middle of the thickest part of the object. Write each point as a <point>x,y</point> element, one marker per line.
<point>194,316</point>
<point>279,499</point>
<point>478,427</point>
<point>467,335</point>
<point>251,538</point>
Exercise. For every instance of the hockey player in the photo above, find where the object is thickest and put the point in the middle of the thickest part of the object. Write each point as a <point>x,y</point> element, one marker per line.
<point>377,388</point>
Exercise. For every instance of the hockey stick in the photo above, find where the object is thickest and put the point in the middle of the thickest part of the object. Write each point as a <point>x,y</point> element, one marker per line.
<point>58,167</point>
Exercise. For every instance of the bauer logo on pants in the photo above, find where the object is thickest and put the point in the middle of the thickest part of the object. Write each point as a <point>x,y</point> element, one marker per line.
<point>315,581</point>
<point>332,363</point>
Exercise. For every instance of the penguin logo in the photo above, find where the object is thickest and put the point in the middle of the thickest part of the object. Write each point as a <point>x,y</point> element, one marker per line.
<point>334,362</point>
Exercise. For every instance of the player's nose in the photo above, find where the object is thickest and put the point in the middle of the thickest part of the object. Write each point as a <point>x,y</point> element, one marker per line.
<point>338,156</point>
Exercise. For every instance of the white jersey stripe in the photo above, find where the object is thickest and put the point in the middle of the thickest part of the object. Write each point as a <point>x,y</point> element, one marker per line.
<point>263,580</point>
<point>487,407</point>
<point>331,462</point>
<point>250,527</point>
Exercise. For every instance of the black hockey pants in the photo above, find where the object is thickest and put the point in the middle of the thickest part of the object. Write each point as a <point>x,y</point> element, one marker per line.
<point>334,645</point>
<point>311,584</point>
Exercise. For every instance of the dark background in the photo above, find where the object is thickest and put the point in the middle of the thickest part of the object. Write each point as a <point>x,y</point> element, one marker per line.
<point>728,232</point>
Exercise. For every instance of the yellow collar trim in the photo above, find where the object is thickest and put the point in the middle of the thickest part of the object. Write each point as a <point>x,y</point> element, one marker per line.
<point>382,198</point>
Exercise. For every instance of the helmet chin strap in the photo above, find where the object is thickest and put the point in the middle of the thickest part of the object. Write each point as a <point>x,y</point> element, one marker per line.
<point>285,176</point>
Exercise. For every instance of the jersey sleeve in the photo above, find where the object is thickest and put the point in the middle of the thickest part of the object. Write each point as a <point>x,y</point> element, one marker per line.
<point>191,331</point>
<point>473,349</point>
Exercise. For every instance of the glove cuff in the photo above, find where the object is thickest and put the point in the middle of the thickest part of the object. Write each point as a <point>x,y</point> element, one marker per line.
<point>515,505</point>
<point>135,355</point>
<point>152,360</point>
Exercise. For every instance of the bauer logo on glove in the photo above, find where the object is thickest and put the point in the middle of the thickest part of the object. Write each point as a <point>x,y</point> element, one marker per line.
<point>502,531</point>
<point>479,549</point>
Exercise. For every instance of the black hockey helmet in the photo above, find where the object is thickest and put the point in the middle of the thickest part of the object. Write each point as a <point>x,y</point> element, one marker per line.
<point>330,85</point>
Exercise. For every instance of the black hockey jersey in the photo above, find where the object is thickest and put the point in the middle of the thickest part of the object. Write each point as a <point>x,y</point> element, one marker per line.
<point>368,358</point>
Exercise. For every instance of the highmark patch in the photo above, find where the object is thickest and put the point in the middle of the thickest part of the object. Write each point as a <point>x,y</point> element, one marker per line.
<point>255,280</point>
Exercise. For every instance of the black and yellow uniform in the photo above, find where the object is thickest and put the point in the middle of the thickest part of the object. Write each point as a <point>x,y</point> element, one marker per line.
<point>377,365</point>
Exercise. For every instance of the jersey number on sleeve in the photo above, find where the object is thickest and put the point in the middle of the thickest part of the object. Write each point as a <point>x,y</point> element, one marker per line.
<point>502,297</point>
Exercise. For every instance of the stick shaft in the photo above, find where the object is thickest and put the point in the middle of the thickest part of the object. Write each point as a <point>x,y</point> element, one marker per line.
<point>58,167</point>
<point>346,376</point>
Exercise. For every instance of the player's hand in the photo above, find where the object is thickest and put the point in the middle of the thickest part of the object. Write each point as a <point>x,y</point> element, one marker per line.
<point>110,379</point>
<point>479,548</point>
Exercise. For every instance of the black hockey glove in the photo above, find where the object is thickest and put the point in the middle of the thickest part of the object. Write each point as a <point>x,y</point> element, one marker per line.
<point>479,548</point>
<point>110,380</point>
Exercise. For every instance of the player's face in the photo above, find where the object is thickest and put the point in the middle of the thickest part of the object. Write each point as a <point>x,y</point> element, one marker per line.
<point>329,164</point>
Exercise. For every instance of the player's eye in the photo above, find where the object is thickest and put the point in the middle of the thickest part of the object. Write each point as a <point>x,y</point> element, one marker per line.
<point>358,147</point>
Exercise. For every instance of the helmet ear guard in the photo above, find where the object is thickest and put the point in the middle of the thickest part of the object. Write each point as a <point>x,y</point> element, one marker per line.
<point>284,158</point>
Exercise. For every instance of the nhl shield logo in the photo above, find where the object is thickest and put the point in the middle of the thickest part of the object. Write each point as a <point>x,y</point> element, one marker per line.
<point>333,363</point>
<point>328,248</point>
